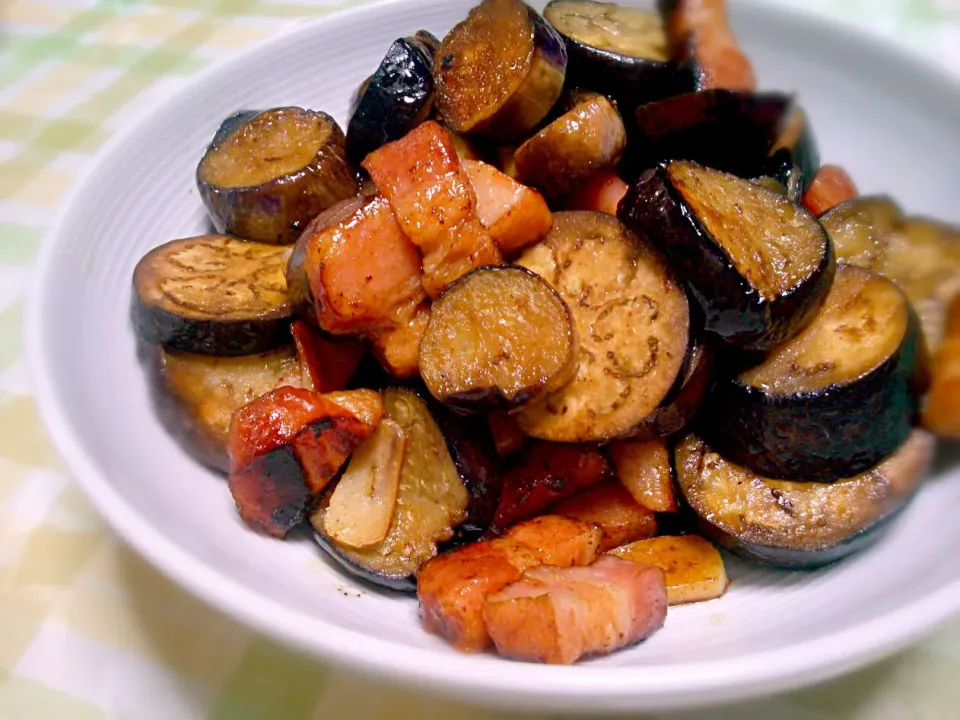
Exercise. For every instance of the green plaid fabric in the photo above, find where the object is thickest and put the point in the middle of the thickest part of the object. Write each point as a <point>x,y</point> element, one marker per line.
<point>87,629</point>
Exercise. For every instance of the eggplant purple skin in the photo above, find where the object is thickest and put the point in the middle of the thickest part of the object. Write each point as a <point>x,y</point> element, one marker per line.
<point>732,309</point>
<point>793,559</point>
<point>628,81</point>
<point>472,448</point>
<point>397,97</point>
<point>681,406</point>
<point>727,130</point>
<point>278,211</point>
<point>234,338</point>
<point>403,585</point>
<point>548,47</point>
<point>838,432</point>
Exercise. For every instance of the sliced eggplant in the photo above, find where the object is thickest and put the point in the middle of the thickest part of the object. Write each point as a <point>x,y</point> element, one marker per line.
<point>833,401</point>
<point>499,71</point>
<point>472,448</point>
<point>431,502</point>
<point>265,177</point>
<point>920,255</point>
<point>681,405</point>
<point>618,51</point>
<point>396,98</point>
<point>569,150</point>
<point>213,295</point>
<point>758,265</point>
<point>722,129</point>
<point>795,155</point>
<point>498,337</point>
<point>861,228</point>
<point>797,525</point>
<point>632,320</point>
<point>195,395</point>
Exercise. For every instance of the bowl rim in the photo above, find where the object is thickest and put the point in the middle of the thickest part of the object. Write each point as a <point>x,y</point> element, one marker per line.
<point>685,685</point>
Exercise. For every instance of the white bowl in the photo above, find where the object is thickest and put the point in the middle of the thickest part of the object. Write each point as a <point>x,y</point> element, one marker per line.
<point>891,121</point>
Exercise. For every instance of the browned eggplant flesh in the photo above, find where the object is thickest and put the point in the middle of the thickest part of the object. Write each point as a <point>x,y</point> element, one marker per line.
<point>632,320</point>
<point>616,50</point>
<point>590,137</point>
<point>431,500</point>
<point>500,336</point>
<point>499,71</point>
<point>272,173</point>
<point>835,400</point>
<point>197,394</point>
<point>759,265</point>
<point>213,295</point>
<point>797,525</point>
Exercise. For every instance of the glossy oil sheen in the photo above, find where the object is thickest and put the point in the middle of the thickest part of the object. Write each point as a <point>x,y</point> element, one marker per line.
<point>890,122</point>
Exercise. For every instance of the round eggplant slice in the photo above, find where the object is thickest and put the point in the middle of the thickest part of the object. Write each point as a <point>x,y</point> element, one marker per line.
<point>267,176</point>
<point>431,502</point>
<point>632,320</point>
<point>621,52</point>
<point>395,99</point>
<point>499,71</point>
<point>861,228</point>
<point>680,407</point>
<point>797,525</point>
<point>920,255</point>
<point>759,265</point>
<point>213,295</point>
<point>569,150</point>
<point>196,395</point>
<point>833,401</point>
<point>729,130</point>
<point>498,337</point>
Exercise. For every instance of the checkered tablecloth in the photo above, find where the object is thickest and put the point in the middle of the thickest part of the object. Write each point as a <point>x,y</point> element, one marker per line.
<point>87,629</point>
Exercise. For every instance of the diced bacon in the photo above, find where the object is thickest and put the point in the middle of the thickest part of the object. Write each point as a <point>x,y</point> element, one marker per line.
<point>602,192</point>
<point>287,445</point>
<point>609,505</point>
<point>559,615</point>
<point>452,587</point>
<point>362,269</point>
<point>831,187</point>
<point>422,177</point>
<point>699,28</point>
<point>548,473</point>
<point>517,216</point>
<point>329,363</point>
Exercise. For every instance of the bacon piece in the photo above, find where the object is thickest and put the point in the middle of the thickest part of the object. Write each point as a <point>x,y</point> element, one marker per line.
<point>602,192</point>
<point>330,364</point>
<point>831,186</point>
<point>285,447</point>
<point>558,615</point>
<point>452,587</point>
<point>699,31</point>
<point>517,216</point>
<point>609,505</point>
<point>548,473</point>
<point>422,177</point>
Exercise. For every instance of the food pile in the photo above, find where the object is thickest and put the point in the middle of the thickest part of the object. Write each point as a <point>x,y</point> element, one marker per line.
<point>569,301</point>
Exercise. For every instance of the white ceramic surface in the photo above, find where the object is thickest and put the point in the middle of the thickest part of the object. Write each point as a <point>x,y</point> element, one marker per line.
<point>892,122</point>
